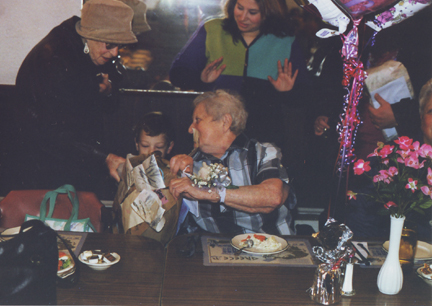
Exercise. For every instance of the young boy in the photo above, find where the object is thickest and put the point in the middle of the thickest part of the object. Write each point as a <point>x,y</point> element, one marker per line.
<point>154,133</point>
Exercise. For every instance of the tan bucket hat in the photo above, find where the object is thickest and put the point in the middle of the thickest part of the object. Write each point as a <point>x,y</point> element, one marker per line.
<point>108,21</point>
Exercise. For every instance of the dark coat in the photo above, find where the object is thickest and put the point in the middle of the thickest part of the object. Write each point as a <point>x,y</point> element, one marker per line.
<point>59,112</point>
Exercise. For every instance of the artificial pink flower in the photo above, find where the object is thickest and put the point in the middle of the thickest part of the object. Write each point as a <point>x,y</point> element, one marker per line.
<point>427,191</point>
<point>404,153</point>
<point>385,161</point>
<point>361,166</point>
<point>388,180</point>
<point>387,177</point>
<point>425,151</point>
<point>404,142</point>
<point>415,146</point>
<point>392,171</point>
<point>385,151</point>
<point>352,195</point>
<point>375,153</point>
<point>390,204</point>
<point>382,177</point>
<point>429,176</point>
<point>378,178</point>
<point>412,184</point>
<point>421,165</point>
<point>412,161</point>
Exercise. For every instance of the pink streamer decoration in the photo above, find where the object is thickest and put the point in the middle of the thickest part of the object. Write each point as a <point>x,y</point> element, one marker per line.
<point>353,80</point>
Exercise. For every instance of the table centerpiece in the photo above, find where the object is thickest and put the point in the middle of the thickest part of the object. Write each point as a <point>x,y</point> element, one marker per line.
<point>401,173</point>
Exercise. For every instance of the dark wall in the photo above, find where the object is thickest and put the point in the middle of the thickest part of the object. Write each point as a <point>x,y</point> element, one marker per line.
<point>118,126</point>
<point>6,123</point>
<point>133,106</point>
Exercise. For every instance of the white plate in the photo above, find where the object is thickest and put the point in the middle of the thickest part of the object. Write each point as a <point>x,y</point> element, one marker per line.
<point>423,252</point>
<point>236,242</point>
<point>70,269</point>
<point>99,266</point>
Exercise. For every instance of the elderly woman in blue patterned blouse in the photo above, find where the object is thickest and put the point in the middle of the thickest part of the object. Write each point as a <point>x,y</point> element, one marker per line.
<point>263,200</point>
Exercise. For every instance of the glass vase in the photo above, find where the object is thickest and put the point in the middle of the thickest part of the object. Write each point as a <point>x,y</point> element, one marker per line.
<point>390,277</point>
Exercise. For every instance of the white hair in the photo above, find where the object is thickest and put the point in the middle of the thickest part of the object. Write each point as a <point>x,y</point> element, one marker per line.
<point>425,94</point>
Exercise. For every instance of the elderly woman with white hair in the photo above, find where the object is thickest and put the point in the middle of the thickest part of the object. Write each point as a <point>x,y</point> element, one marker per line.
<point>263,199</point>
<point>64,85</point>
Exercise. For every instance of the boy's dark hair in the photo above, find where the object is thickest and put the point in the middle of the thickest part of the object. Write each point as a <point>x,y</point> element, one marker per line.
<point>155,124</point>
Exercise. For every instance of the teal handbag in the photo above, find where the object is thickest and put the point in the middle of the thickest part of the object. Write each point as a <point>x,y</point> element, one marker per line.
<point>73,224</point>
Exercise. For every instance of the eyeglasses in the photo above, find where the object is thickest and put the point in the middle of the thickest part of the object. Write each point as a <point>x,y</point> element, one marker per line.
<point>110,46</point>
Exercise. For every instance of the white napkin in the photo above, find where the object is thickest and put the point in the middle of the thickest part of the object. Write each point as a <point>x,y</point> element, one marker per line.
<point>392,92</point>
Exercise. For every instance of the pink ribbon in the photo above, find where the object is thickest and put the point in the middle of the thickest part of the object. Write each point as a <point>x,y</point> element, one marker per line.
<point>353,79</point>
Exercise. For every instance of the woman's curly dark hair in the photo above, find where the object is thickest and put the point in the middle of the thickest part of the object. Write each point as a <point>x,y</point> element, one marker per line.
<point>276,19</point>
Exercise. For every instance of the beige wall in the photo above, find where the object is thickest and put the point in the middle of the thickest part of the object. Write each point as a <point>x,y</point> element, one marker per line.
<point>23,24</point>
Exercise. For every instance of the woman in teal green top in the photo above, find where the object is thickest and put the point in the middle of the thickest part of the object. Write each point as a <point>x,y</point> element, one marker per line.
<point>253,52</point>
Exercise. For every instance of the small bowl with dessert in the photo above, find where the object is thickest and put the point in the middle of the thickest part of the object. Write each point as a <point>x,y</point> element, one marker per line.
<point>425,273</point>
<point>98,260</point>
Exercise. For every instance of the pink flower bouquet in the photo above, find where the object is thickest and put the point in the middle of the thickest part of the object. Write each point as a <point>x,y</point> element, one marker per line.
<point>402,177</point>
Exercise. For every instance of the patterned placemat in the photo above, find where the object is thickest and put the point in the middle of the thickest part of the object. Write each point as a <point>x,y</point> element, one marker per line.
<point>75,241</point>
<point>220,252</point>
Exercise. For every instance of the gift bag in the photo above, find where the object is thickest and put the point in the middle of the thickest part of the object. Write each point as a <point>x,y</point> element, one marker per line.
<point>143,204</point>
<point>73,223</point>
<point>28,266</point>
<point>392,82</point>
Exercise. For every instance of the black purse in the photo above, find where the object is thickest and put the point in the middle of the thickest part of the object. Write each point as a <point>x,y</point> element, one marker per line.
<point>28,266</point>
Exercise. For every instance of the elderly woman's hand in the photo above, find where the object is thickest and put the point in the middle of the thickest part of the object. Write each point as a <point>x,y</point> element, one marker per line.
<point>113,163</point>
<point>182,187</point>
<point>211,72</point>
<point>181,162</point>
<point>286,79</point>
<point>105,87</point>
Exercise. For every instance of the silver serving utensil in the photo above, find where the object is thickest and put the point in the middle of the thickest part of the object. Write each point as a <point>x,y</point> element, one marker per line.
<point>249,244</point>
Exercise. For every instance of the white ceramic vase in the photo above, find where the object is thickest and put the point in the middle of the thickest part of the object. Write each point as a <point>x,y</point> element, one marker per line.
<point>390,277</point>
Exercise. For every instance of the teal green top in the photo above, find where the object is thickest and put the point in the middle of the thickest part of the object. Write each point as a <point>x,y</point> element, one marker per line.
<point>220,43</point>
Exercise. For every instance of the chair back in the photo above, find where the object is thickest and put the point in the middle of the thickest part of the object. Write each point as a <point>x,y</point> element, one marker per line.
<point>18,203</point>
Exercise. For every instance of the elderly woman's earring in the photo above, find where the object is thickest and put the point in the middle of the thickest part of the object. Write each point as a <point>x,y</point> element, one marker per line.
<point>86,48</point>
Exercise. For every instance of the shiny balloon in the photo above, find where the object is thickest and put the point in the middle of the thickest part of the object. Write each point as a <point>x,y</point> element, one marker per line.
<point>360,8</point>
<point>396,14</point>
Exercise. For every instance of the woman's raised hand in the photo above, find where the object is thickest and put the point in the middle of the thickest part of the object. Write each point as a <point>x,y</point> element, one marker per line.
<point>286,79</point>
<point>211,72</point>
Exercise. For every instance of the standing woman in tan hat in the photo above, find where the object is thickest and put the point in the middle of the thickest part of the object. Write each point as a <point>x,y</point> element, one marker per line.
<point>64,84</point>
